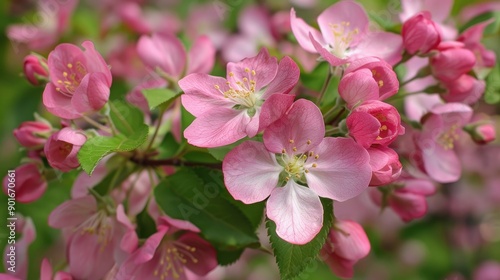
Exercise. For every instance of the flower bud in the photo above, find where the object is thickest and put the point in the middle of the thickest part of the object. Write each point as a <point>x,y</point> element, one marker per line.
<point>420,34</point>
<point>30,134</point>
<point>35,69</point>
<point>481,132</point>
<point>29,183</point>
<point>452,61</point>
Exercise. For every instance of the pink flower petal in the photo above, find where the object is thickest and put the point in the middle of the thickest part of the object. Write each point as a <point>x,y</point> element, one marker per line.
<point>147,251</point>
<point>350,240</point>
<point>286,78</point>
<point>58,103</point>
<point>385,45</point>
<point>204,258</point>
<point>274,108</point>
<point>301,30</point>
<point>363,127</point>
<point>72,212</point>
<point>299,131</point>
<point>92,93</point>
<point>95,63</point>
<point>250,172</point>
<point>342,170</point>
<point>408,206</point>
<point>357,87</point>
<point>333,60</point>
<point>201,56</point>
<point>163,51</point>
<point>46,270</point>
<point>297,212</point>
<point>264,65</point>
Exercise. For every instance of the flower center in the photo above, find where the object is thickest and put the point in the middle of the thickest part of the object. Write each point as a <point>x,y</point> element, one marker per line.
<point>447,139</point>
<point>242,92</point>
<point>72,78</point>
<point>173,257</point>
<point>295,166</point>
<point>98,224</point>
<point>343,37</point>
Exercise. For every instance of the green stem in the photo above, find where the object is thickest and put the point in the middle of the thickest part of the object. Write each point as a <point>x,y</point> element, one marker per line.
<point>96,124</point>
<point>332,131</point>
<point>157,128</point>
<point>325,86</point>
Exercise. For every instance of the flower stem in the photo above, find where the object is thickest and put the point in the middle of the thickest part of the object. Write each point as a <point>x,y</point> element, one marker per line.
<point>325,86</point>
<point>97,125</point>
<point>157,128</point>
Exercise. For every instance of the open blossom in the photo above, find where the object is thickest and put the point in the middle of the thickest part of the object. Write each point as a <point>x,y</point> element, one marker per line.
<point>96,235</point>
<point>407,199</point>
<point>62,148</point>
<point>309,166</point>
<point>29,183</point>
<point>345,245</point>
<point>80,81</point>
<point>166,53</point>
<point>30,134</point>
<point>345,36</point>
<point>420,34</point>
<point>435,143</point>
<point>385,164</point>
<point>445,65</point>
<point>374,122</point>
<point>254,95</point>
<point>172,252</point>
<point>368,78</point>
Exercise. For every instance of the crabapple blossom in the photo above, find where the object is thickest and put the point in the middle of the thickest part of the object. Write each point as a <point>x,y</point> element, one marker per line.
<point>345,245</point>
<point>374,122</point>
<point>367,78</point>
<point>420,34</point>
<point>62,148</point>
<point>31,134</point>
<point>80,81</point>
<point>30,184</point>
<point>471,38</point>
<point>385,164</point>
<point>445,65</point>
<point>35,69</point>
<point>254,95</point>
<point>481,131</point>
<point>293,167</point>
<point>465,89</point>
<point>345,36</point>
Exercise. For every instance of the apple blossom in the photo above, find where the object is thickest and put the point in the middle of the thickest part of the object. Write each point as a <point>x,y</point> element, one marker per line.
<point>62,148</point>
<point>445,65</point>
<point>29,183</point>
<point>32,134</point>
<point>465,89</point>
<point>35,69</point>
<point>420,34</point>
<point>385,164</point>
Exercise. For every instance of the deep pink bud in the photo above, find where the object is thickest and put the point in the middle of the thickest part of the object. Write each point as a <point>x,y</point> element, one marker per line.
<point>374,122</point>
<point>481,132</point>
<point>36,69</point>
<point>466,89</point>
<point>452,61</point>
<point>385,165</point>
<point>30,134</point>
<point>62,148</point>
<point>420,34</point>
<point>26,182</point>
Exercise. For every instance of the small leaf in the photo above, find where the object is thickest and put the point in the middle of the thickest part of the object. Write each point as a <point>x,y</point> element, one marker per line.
<point>126,118</point>
<point>158,96</point>
<point>492,92</point>
<point>98,147</point>
<point>186,196</point>
<point>293,259</point>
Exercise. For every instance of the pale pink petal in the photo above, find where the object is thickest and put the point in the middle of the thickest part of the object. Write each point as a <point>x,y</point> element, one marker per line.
<point>60,57</point>
<point>250,172</point>
<point>440,10</point>
<point>58,103</point>
<point>239,47</point>
<point>343,11</point>
<point>301,30</point>
<point>274,108</point>
<point>204,257</point>
<point>330,58</point>
<point>92,93</point>
<point>200,93</point>
<point>218,128</point>
<point>74,137</point>
<point>87,259</point>
<point>163,51</point>
<point>299,131</point>
<point>357,87</point>
<point>417,105</point>
<point>129,241</point>
<point>201,56</point>
<point>341,171</point>
<point>255,22</point>
<point>95,62</point>
<point>441,164</point>
<point>350,240</point>
<point>264,65</point>
<point>419,186</point>
<point>72,212</point>
<point>385,45</point>
<point>286,78</point>
<point>297,212</point>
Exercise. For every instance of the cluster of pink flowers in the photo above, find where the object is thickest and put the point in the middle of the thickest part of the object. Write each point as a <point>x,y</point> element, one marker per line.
<point>287,147</point>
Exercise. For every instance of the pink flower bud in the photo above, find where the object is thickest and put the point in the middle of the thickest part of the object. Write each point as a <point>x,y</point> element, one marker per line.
<point>385,164</point>
<point>481,132</point>
<point>465,89</point>
<point>26,182</point>
<point>35,69</point>
<point>374,122</point>
<point>452,61</point>
<point>62,147</point>
<point>30,134</point>
<point>420,34</point>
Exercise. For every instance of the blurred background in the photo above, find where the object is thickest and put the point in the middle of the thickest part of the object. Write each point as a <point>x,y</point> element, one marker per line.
<point>458,239</point>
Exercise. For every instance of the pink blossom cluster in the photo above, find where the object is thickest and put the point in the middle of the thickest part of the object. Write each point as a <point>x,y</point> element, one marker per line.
<point>369,130</point>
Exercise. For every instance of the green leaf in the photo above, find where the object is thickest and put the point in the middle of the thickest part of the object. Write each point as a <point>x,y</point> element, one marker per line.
<point>158,96</point>
<point>145,224</point>
<point>186,119</point>
<point>492,92</point>
<point>491,29</point>
<point>228,257</point>
<point>293,259</point>
<point>126,118</point>
<point>186,196</point>
<point>98,147</point>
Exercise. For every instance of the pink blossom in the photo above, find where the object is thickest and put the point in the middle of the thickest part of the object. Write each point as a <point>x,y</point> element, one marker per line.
<point>471,38</point>
<point>385,164</point>
<point>29,183</point>
<point>420,34</point>
<point>368,78</point>
<point>445,65</point>
<point>435,143</point>
<point>252,97</point>
<point>26,228</point>
<point>62,148</point>
<point>174,250</point>
<point>96,235</point>
<point>466,89</point>
<point>345,36</point>
<point>32,134</point>
<point>295,154</point>
<point>165,53</point>
<point>374,122</point>
<point>35,69</point>
<point>80,81</point>
<point>346,244</point>
<point>407,199</point>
